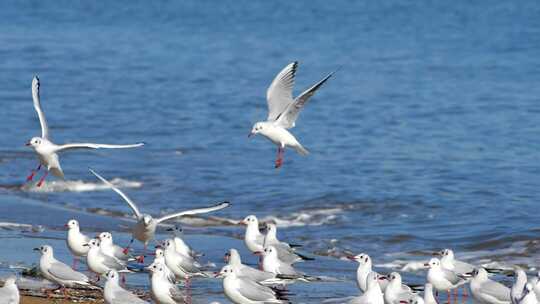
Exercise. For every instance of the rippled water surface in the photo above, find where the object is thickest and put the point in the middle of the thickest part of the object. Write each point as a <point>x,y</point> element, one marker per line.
<point>426,138</point>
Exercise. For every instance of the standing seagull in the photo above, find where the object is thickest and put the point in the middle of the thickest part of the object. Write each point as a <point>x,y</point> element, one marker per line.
<point>442,279</point>
<point>283,111</point>
<point>47,150</point>
<point>364,269</point>
<point>75,241</point>
<point>114,294</point>
<point>9,293</point>
<point>242,290</point>
<point>145,228</point>
<point>486,291</point>
<point>58,272</point>
<point>372,294</point>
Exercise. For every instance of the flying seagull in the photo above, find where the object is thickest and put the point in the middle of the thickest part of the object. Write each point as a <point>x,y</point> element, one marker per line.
<point>47,151</point>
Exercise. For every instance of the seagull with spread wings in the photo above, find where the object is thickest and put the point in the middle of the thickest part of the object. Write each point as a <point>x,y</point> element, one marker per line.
<point>145,228</point>
<point>283,111</point>
<point>47,151</point>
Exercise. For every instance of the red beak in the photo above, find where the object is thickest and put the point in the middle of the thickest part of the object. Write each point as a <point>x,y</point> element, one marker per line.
<point>216,274</point>
<point>426,265</point>
<point>250,134</point>
<point>258,253</point>
<point>352,258</point>
<point>27,144</point>
<point>66,225</point>
<point>242,222</point>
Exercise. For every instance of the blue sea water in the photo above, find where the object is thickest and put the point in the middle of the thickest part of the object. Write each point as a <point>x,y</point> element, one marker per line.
<point>424,139</point>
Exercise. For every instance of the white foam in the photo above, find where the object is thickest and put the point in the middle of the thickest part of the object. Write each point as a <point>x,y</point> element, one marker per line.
<point>315,217</point>
<point>78,186</point>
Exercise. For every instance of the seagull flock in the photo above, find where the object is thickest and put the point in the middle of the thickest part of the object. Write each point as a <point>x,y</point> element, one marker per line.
<point>175,264</point>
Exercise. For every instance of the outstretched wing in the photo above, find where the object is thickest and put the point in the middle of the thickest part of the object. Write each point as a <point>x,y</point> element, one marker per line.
<point>96,146</point>
<point>37,106</point>
<point>122,194</point>
<point>279,93</point>
<point>194,211</point>
<point>288,118</point>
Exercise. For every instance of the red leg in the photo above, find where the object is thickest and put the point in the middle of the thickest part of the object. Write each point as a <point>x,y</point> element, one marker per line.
<point>126,250</point>
<point>31,176</point>
<point>279,160</point>
<point>141,257</point>
<point>448,296</point>
<point>42,179</point>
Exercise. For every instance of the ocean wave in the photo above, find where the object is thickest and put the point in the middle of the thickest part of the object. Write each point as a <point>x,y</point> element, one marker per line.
<point>78,186</point>
<point>313,217</point>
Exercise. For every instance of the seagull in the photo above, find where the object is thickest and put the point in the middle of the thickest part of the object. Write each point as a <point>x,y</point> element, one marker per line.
<point>253,274</point>
<point>47,151</point>
<point>529,297</point>
<point>442,279</point>
<point>182,266</point>
<point>395,291</point>
<point>253,238</point>
<point>372,294</point>
<point>516,293</point>
<point>145,228</point>
<point>58,272</point>
<point>75,241</point>
<point>364,269</point>
<point>449,262</point>
<point>285,252</point>
<point>486,291</point>
<point>535,281</point>
<point>160,259</point>
<point>179,244</point>
<point>9,293</point>
<point>109,248</point>
<point>283,111</point>
<point>241,290</point>
<point>429,298</point>
<point>162,290</point>
<point>114,294</point>
<point>100,263</point>
<point>272,263</point>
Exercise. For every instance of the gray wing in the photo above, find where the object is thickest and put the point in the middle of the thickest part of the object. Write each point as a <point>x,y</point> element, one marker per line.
<point>288,118</point>
<point>358,300</point>
<point>279,94</point>
<point>496,290</point>
<point>122,296</point>
<point>287,255</point>
<point>255,274</point>
<point>96,146</point>
<point>63,272</point>
<point>287,269</point>
<point>462,267</point>
<point>176,293</point>
<point>37,107</point>
<point>451,276</point>
<point>189,265</point>
<point>254,291</point>
<point>113,263</point>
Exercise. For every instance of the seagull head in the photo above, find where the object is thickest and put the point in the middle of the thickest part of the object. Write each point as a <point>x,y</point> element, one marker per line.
<point>147,219</point>
<point>361,258</point>
<point>159,253</point>
<point>72,224</point>
<point>105,236</point>
<point>257,127</point>
<point>250,220</point>
<point>225,272</point>
<point>270,252</point>
<point>45,250</point>
<point>434,262</point>
<point>34,142</point>
<point>112,275</point>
